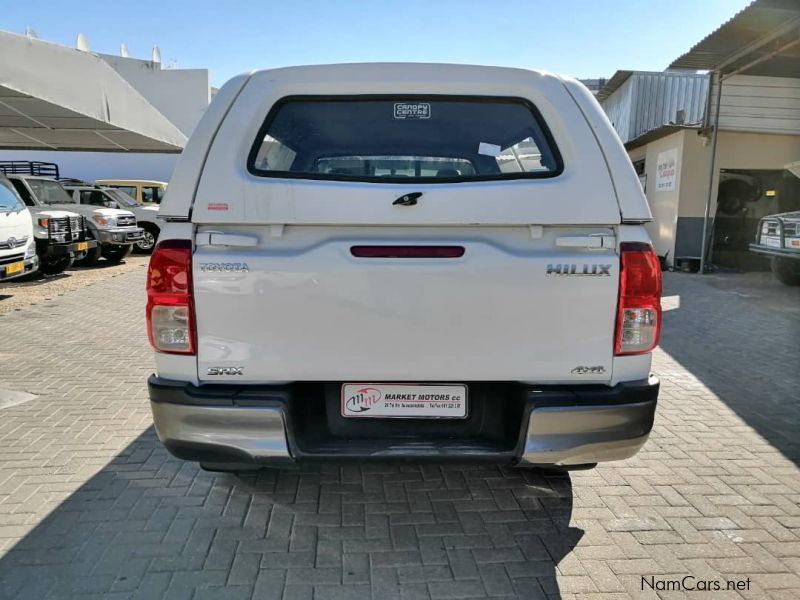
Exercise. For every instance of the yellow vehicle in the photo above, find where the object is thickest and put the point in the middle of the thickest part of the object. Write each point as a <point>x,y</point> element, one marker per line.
<point>144,191</point>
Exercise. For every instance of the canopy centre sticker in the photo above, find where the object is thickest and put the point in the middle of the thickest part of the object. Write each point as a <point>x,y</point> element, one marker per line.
<point>412,110</point>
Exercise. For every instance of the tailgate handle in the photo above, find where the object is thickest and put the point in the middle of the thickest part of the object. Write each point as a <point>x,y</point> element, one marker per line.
<point>215,238</point>
<point>592,242</point>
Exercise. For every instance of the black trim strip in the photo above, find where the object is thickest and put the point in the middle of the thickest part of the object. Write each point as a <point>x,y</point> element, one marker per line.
<point>213,394</point>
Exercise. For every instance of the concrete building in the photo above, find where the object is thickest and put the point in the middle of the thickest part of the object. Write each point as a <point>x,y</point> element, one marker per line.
<point>180,95</point>
<point>712,149</point>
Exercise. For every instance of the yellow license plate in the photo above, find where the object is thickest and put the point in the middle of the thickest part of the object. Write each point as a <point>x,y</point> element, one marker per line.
<point>14,268</point>
<point>82,246</point>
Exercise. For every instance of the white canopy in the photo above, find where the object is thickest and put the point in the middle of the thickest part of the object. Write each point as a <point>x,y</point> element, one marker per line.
<point>56,98</point>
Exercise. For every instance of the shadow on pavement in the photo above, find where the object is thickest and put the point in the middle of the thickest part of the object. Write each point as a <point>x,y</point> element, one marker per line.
<point>150,526</point>
<point>743,349</point>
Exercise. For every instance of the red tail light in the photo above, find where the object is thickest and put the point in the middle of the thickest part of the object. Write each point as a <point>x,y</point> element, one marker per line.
<point>639,310</point>
<point>170,306</point>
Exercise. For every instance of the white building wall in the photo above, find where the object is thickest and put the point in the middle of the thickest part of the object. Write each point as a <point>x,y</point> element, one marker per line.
<point>102,165</point>
<point>181,95</point>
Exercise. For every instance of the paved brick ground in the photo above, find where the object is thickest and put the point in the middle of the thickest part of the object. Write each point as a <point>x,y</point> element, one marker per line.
<point>92,506</point>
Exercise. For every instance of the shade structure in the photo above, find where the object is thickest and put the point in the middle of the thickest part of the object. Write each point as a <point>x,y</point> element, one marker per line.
<point>761,39</point>
<point>56,98</point>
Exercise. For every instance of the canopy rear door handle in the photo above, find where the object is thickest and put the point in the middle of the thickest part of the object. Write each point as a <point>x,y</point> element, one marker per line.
<point>212,238</point>
<point>592,242</point>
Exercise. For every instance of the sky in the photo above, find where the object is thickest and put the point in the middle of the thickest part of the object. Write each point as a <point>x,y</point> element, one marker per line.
<point>581,38</point>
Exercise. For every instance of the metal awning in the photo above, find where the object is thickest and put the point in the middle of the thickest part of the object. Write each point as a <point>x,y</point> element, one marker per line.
<point>56,98</point>
<point>613,84</point>
<point>761,39</point>
<point>657,133</point>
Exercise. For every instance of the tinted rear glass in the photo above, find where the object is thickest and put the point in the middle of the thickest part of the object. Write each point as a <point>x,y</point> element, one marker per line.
<point>387,139</point>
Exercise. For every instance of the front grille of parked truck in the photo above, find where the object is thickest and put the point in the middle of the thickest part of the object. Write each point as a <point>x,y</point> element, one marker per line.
<point>77,225</point>
<point>64,230</point>
<point>126,221</point>
<point>6,260</point>
<point>13,243</point>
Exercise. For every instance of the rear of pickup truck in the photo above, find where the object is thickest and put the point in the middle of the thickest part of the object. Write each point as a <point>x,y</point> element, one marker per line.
<point>403,261</point>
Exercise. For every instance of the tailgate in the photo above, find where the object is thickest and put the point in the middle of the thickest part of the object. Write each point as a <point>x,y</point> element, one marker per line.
<point>304,307</point>
<point>504,167</point>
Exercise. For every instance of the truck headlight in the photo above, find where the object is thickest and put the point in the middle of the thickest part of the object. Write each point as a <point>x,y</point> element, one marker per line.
<point>105,221</point>
<point>43,222</point>
<point>30,251</point>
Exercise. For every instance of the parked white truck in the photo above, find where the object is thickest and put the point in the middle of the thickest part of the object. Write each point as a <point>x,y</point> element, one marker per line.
<point>114,231</point>
<point>95,195</point>
<point>17,245</point>
<point>60,236</point>
<point>418,261</point>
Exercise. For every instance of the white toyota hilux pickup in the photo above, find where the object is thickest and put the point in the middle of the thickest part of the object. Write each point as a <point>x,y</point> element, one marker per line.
<point>417,261</point>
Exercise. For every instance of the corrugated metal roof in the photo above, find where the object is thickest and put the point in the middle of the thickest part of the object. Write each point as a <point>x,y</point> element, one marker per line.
<point>646,100</point>
<point>766,29</point>
<point>612,84</point>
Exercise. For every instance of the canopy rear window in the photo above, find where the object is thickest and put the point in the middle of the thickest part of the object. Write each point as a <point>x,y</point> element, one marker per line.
<point>432,139</point>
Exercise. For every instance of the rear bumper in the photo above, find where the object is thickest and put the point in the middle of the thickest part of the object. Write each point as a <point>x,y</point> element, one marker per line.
<point>551,425</point>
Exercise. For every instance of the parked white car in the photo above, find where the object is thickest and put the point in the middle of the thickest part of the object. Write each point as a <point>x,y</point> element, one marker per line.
<point>403,261</point>
<point>114,230</point>
<point>146,216</point>
<point>17,246</point>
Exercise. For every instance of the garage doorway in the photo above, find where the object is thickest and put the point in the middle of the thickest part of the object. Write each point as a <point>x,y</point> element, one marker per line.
<point>744,197</point>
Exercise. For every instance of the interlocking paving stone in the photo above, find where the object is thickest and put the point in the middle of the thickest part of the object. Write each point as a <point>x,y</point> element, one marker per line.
<point>92,506</point>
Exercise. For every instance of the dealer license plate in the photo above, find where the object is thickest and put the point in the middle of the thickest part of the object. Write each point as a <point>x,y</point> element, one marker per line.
<point>396,400</point>
<point>14,268</point>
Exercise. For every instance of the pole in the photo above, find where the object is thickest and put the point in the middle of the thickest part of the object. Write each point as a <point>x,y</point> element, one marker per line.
<point>706,215</point>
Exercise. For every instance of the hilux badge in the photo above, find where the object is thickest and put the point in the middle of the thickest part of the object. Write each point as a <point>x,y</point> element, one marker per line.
<point>573,269</point>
